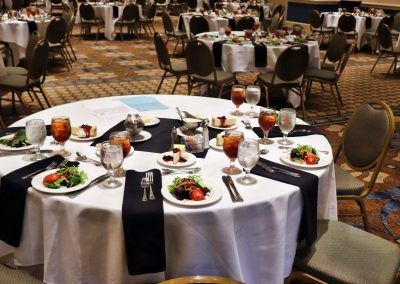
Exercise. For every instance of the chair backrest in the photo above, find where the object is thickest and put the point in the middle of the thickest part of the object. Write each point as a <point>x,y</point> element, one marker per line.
<point>347,23</point>
<point>200,60</point>
<point>396,22</point>
<point>56,1</point>
<point>198,24</point>
<point>219,5</point>
<point>151,12</point>
<point>245,23</point>
<point>385,37</point>
<point>162,51</point>
<point>192,4</point>
<point>278,9</point>
<point>336,48</point>
<point>130,13</point>
<point>160,1</point>
<point>275,22</point>
<point>367,137</point>
<point>32,42</point>
<point>292,63</point>
<point>315,19</point>
<point>202,280</point>
<point>38,63</point>
<point>297,30</point>
<point>206,6</point>
<point>167,23</point>
<point>141,2</point>
<point>56,30</point>
<point>17,5</point>
<point>387,20</point>
<point>346,57</point>
<point>87,12</point>
<point>255,10</point>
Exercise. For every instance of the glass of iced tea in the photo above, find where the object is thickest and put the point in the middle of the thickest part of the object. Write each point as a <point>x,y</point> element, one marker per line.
<point>232,140</point>
<point>121,138</point>
<point>266,120</point>
<point>238,97</point>
<point>61,131</point>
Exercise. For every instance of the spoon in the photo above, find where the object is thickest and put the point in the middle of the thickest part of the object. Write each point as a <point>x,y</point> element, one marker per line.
<point>247,124</point>
<point>83,158</point>
<point>263,151</point>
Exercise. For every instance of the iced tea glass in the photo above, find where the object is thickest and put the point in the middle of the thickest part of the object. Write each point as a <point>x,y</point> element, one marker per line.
<point>231,146</point>
<point>61,131</point>
<point>238,97</point>
<point>266,120</point>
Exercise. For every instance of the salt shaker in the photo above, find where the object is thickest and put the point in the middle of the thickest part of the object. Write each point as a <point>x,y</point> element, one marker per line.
<point>206,135</point>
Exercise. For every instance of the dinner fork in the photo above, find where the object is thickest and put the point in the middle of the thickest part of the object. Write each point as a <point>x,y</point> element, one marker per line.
<point>51,166</point>
<point>149,175</point>
<point>144,184</point>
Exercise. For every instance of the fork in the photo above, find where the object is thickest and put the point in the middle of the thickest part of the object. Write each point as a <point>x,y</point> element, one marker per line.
<point>149,175</point>
<point>51,166</point>
<point>180,171</point>
<point>275,169</point>
<point>144,184</point>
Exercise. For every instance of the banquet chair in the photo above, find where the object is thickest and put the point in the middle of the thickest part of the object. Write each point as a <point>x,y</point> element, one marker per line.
<point>275,24</point>
<point>162,6</point>
<point>17,5</point>
<point>176,69</point>
<point>148,20</point>
<point>335,51</point>
<point>289,70</point>
<point>198,24</point>
<point>129,18</point>
<point>254,9</point>
<point>278,9</point>
<point>69,18</point>
<point>347,24</point>
<point>345,254</point>
<point>201,66</point>
<point>396,26</point>
<point>373,35</point>
<point>386,48</point>
<point>206,7</point>
<point>317,28</point>
<point>298,30</point>
<point>364,152</point>
<point>330,77</point>
<point>201,280</point>
<point>7,51</point>
<point>55,35</point>
<point>17,276</point>
<point>192,4</point>
<point>179,36</point>
<point>32,81</point>
<point>245,23</point>
<point>89,20</point>
<point>56,8</point>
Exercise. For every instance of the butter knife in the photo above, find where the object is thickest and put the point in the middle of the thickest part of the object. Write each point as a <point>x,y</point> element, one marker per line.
<point>89,185</point>
<point>233,197</point>
<point>230,181</point>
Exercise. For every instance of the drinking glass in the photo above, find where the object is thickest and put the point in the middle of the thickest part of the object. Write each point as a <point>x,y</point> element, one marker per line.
<point>248,34</point>
<point>111,157</point>
<point>238,96</point>
<point>248,155</point>
<point>61,131</point>
<point>228,31</point>
<point>230,146</point>
<point>121,138</point>
<point>35,130</point>
<point>289,30</point>
<point>266,120</point>
<point>253,94</point>
<point>286,122</point>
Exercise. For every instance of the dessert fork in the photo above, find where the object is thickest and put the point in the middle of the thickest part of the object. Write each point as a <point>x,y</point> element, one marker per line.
<point>144,184</point>
<point>149,175</point>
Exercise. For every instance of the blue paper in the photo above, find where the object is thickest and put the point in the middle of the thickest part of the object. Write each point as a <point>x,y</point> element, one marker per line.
<point>142,103</point>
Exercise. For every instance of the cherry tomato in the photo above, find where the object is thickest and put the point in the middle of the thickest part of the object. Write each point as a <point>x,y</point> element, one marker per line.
<point>51,178</point>
<point>311,159</point>
<point>196,195</point>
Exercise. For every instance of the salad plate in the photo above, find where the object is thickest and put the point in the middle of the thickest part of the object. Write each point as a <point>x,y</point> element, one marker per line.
<point>6,142</point>
<point>324,161</point>
<point>213,195</point>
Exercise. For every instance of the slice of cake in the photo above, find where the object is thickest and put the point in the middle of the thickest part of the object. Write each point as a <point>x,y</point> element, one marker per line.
<point>84,131</point>
<point>223,121</point>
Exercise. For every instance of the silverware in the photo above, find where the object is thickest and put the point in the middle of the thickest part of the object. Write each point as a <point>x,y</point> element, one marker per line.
<point>276,169</point>
<point>302,130</point>
<point>165,171</point>
<point>83,158</point>
<point>144,184</point>
<point>231,183</point>
<point>263,151</point>
<point>51,166</point>
<point>149,175</point>
<point>247,124</point>
<point>233,197</point>
<point>291,148</point>
<point>89,185</point>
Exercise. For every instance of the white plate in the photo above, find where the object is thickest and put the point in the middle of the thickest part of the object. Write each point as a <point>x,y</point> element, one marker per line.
<point>213,144</point>
<point>324,160</point>
<point>146,136</point>
<point>153,121</point>
<point>76,138</point>
<point>213,196</point>
<point>223,128</point>
<point>37,183</point>
<point>8,148</point>
<point>130,153</point>
<point>190,161</point>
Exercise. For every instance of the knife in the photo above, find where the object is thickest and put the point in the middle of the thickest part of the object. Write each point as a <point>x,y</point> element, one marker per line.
<point>89,185</point>
<point>233,197</point>
<point>230,181</point>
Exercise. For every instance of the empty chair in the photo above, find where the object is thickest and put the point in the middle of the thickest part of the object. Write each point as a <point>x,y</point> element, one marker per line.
<point>176,69</point>
<point>56,8</point>
<point>278,9</point>
<point>316,24</point>
<point>129,19</point>
<point>170,32</point>
<point>396,26</point>
<point>198,24</point>
<point>55,35</point>
<point>245,23</point>
<point>201,67</point>
<point>373,35</point>
<point>192,4</point>
<point>89,20</point>
<point>386,48</point>
<point>334,54</point>
<point>17,5</point>
<point>69,18</point>
<point>347,24</point>
<point>201,279</point>
<point>344,254</point>
<point>147,21</point>
<point>276,23</point>
<point>288,72</point>
<point>161,5</point>
<point>254,9</point>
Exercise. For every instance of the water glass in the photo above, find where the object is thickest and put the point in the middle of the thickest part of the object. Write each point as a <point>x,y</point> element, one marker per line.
<point>111,157</point>
<point>286,122</point>
<point>252,98</point>
<point>248,155</point>
<point>36,133</point>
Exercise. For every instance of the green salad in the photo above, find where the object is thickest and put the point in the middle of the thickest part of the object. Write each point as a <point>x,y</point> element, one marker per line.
<point>16,140</point>
<point>68,177</point>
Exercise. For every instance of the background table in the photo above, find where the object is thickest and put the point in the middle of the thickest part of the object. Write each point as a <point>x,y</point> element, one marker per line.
<point>81,240</point>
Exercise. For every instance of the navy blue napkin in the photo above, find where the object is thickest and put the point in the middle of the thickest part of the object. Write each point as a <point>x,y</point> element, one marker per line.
<point>261,13</point>
<point>308,184</point>
<point>180,24</point>
<point>217,52</point>
<point>260,54</point>
<point>143,224</point>
<point>115,11</point>
<point>276,132</point>
<point>368,22</point>
<point>232,23</point>
<point>13,190</point>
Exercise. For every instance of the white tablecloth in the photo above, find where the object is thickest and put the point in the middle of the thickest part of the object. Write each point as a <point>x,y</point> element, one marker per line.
<point>81,240</point>
<point>17,34</point>
<point>332,19</point>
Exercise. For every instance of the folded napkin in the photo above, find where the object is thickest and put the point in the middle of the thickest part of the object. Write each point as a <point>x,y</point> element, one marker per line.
<point>115,11</point>
<point>31,25</point>
<point>13,190</point>
<point>217,52</point>
<point>143,225</point>
<point>322,18</point>
<point>260,54</point>
<point>308,184</point>
<point>10,130</point>
<point>232,23</point>
<point>180,24</point>
<point>368,22</point>
<point>276,132</point>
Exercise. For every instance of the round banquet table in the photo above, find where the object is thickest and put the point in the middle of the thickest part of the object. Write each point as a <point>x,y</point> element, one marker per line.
<point>81,240</point>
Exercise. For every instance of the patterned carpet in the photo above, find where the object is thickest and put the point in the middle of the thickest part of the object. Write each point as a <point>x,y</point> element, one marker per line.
<point>111,68</point>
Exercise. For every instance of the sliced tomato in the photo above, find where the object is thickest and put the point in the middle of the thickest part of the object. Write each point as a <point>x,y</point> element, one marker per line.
<point>311,159</point>
<point>196,195</point>
<point>51,178</point>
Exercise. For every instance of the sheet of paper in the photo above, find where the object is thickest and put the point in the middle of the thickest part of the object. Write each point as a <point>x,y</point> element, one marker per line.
<point>108,109</point>
<point>141,103</point>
